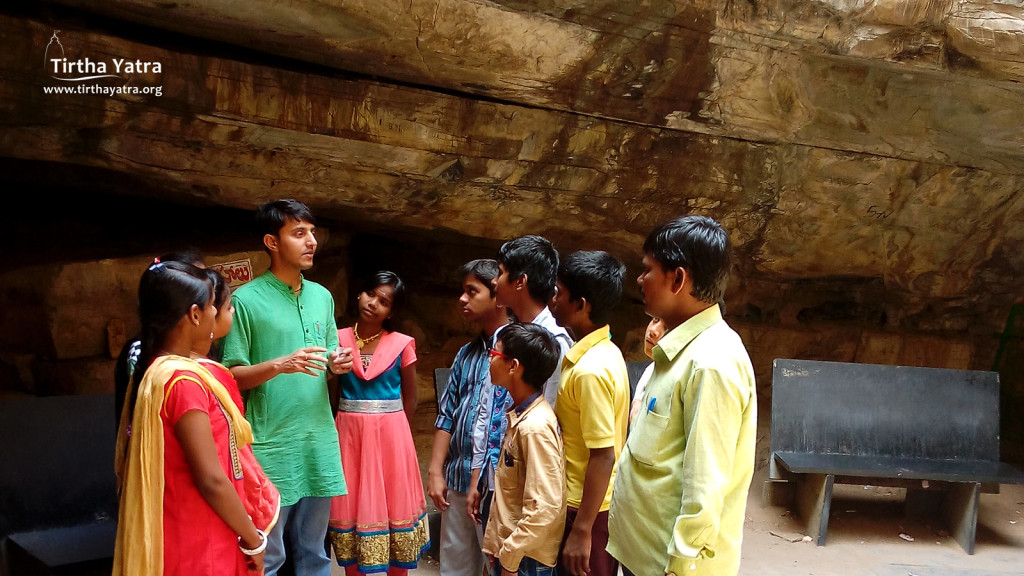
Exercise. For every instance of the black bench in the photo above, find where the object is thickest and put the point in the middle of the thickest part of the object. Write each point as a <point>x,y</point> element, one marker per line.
<point>58,501</point>
<point>932,431</point>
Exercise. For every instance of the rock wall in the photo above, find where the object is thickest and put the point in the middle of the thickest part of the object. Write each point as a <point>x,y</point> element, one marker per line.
<point>866,156</point>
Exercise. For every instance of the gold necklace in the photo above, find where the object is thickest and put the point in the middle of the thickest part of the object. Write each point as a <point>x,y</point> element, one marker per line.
<point>360,342</point>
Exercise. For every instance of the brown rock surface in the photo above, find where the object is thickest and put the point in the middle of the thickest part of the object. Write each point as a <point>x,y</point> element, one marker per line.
<point>865,156</point>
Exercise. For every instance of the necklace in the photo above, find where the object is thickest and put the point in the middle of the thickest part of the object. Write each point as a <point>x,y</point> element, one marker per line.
<point>360,342</point>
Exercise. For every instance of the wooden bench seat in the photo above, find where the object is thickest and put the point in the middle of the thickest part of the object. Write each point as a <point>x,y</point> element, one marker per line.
<point>983,471</point>
<point>934,432</point>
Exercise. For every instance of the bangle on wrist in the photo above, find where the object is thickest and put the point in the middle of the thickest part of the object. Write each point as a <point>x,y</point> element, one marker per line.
<point>257,550</point>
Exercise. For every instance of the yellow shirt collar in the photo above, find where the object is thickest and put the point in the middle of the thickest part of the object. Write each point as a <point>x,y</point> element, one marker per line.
<point>679,338</point>
<point>580,348</point>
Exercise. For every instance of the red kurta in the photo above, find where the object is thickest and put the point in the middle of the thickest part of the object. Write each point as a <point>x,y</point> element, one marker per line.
<point>196,541</point>
<point>258,494</point>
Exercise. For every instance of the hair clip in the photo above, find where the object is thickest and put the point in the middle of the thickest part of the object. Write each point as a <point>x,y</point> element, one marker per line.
<point>156,265</point>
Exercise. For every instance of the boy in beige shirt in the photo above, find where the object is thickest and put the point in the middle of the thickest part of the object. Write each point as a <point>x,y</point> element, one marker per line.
<point>528,514</point>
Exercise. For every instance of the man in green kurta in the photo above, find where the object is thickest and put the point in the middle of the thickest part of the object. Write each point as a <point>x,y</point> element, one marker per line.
<point>282,342</point>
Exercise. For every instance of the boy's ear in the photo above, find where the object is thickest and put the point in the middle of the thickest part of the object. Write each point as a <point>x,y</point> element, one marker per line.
<point>270,241</point>
<point>514,367</point>
<point>679,278</point>
<point>520,283</point>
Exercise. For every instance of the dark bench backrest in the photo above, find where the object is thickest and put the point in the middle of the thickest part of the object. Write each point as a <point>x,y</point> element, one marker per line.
<point>633,369</point>
<point>56,461</point>
<point>440,379</point>
<point>872,410</point>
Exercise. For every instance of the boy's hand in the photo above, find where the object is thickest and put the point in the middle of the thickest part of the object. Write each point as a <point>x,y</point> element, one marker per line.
<point>576,554</point>
<point>473,504</point>
<point>437,489</point>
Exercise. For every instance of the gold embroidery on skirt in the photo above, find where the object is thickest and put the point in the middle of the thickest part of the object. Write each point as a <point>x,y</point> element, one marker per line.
<point>399,547</point>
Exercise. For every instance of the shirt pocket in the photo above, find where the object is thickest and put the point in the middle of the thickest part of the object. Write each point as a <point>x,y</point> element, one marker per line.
<point>508,478</point>
<point>646,441</point>
<point>318,335</point>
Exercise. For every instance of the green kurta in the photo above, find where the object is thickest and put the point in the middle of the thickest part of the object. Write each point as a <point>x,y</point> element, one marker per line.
<point>295,440</point>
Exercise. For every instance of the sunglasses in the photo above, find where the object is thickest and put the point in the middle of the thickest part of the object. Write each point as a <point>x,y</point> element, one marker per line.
<point>497,354</point>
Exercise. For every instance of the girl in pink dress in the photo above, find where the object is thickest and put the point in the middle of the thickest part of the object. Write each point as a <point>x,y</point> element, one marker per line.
<point>380,525</point>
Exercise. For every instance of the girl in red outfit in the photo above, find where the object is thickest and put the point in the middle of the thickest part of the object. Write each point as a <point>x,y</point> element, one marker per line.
<point>179,469</point>
<point>258,494</point>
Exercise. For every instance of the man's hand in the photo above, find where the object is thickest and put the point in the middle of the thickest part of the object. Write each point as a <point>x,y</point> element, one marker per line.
<point>473,504</point>
<point>308,360</point>
<point>341,360</point>
<point>576,553</point>
<point>437,489</point>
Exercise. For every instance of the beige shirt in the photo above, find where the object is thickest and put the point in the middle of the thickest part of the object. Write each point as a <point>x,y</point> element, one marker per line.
<point>528,512</point>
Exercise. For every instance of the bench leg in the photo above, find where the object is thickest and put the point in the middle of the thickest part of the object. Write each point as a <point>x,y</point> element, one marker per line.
<point>813,501</point>
<point>960,509</point>
<point>777,493</point>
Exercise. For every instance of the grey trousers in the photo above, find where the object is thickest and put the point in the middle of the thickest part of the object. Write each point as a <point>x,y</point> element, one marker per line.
<point>461,539</point>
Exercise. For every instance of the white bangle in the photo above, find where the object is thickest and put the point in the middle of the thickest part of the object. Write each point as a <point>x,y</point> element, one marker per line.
<point>257,550</point>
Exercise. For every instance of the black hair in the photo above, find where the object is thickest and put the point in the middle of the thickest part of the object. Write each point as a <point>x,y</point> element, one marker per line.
<point>536,257</point>
<point>596,276</point>
<point>122,378</point>
<point>698,244</point>
<point>221,296</point>
<point>221,290</point>
<point>167,292</point>
<point>484,269</point>
<point>386,278</point>
<point>534,347</point>
<point>270,217</point>
<point>189,256</point>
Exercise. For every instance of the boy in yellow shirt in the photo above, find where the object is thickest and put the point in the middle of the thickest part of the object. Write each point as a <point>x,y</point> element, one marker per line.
<point>682,481</point>
<point>592,407</point>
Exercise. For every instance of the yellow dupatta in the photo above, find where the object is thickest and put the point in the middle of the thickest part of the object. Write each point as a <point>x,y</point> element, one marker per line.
<point>139,465</point>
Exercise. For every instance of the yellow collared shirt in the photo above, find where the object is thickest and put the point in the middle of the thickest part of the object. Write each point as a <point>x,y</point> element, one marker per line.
<point>681,487</point>
<point>592,408</point>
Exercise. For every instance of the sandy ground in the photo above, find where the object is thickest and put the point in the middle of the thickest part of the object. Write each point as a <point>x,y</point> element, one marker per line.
<point>864,531</point>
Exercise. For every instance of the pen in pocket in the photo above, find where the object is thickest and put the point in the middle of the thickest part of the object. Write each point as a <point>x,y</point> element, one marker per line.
<point>650,405</point>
